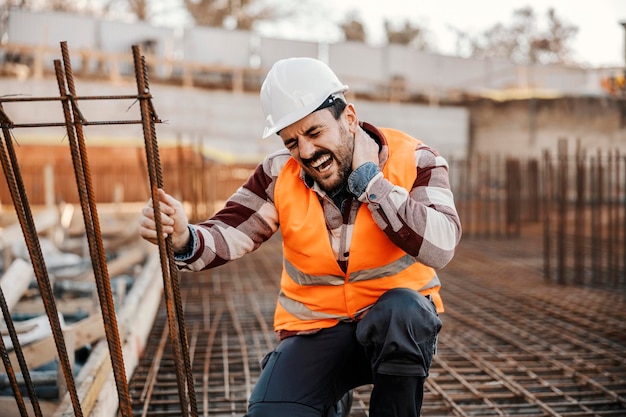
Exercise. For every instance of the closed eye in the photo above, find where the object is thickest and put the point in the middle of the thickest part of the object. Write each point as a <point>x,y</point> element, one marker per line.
<point>291,143</point>
<point>312,133</point>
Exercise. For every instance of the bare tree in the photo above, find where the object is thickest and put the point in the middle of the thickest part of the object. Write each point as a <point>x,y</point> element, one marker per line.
<point>241,14</point>
<point>85,7</point>
<point>353,28</point>
<point>521,41</point>
<point>553,45</point>
<point>408,34</point>
<point>140,9</point>
<point>51,5</point>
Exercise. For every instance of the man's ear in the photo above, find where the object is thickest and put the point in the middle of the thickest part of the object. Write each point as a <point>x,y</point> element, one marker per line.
<point>351,118</point>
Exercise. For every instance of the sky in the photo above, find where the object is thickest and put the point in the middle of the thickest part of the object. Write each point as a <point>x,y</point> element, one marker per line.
<point>599,41</point>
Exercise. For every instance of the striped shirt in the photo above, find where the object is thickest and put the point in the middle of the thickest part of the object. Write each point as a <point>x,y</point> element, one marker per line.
<point>423,222</point>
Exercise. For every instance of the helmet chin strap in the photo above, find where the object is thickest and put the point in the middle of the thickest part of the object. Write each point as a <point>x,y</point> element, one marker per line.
<point>330,100</point>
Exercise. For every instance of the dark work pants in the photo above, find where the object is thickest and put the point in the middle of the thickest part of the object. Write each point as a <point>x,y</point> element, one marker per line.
<point>391,347</point>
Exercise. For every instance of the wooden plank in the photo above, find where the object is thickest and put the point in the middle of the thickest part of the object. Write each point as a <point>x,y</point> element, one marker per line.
<point>34,306</point>
<point>30,331</point>
<point>86,331</point>
<point>9,408</point>
<point>133,256</point>
<point>96,384</point>
<point>44,220</point>
<point>15,281</point>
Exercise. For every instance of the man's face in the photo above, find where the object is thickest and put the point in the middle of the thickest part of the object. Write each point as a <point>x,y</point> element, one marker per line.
<point>323,146</point>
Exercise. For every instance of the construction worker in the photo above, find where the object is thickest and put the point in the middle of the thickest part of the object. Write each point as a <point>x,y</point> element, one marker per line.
<point>366,216</point>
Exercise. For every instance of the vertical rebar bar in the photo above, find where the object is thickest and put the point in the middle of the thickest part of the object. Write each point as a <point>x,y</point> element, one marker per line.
<point>615,221</point>
<point>92,225</point>
<point>562,212</point>
<point>579,220</point>
<point>547,213</point>
<point>15,183</point>
<point>8,367</point>
<point>6,122</point>
<point>623,241</point>
<point>175,313</point>
<point>595,223</point>
<point>609,216</point>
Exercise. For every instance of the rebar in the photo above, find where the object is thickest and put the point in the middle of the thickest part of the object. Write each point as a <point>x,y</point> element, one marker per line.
<point>184,375</point>
<point>23,210</point>
<point>22,363</point>
<point>80,160</point>
<point>74,123</point>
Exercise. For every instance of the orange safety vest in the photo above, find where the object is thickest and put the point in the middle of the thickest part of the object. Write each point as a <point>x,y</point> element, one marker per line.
<point>315,293</point>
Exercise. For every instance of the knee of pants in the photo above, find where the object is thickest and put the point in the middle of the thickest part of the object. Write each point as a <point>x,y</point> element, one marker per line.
<point>259,405</point>
<point>281,409</point>
<point>399,333</point>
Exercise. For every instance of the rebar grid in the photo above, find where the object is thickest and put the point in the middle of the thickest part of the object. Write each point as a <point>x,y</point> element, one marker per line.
<point>186,385</point>
<point>512,344</point>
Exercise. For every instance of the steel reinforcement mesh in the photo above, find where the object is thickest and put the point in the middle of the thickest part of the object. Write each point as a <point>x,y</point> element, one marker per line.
<point>512,344</point>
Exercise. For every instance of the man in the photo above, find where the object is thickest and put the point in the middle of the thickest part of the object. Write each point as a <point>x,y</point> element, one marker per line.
<point>366,216</point>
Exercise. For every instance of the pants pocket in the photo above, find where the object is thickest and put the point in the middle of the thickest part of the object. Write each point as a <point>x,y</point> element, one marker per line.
<point>428,352</point>
<point>268,364</point>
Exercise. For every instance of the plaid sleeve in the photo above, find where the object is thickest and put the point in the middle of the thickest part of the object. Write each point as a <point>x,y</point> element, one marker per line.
<point>248,219</point>
<point>423,222</point>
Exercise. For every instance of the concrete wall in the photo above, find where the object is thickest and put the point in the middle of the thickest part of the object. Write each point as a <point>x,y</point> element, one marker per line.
<point>527,127</point>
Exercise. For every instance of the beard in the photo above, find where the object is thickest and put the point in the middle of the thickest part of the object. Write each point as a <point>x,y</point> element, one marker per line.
<point>342,161</point>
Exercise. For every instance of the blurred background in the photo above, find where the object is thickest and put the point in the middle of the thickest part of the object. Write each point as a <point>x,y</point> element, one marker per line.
<point>525,99</point>
<point>508,78</point>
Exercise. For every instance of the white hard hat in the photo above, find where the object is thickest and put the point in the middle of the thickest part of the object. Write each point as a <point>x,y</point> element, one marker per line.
<point>294,88</point>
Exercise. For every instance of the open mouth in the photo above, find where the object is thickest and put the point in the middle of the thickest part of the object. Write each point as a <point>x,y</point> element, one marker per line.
<point>323,163</point>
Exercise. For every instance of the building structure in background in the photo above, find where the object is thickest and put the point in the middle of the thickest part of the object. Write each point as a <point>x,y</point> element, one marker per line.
<point>369,69</point>
<point>459,105</point>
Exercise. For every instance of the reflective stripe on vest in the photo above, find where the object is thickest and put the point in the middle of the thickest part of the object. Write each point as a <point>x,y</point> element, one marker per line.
<point>302,312</point>
<point>315,292</point>
<point>393,268</point>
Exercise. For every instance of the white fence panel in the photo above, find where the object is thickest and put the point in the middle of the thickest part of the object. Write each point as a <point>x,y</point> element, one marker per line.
<point>359,65</point>
<point>500,74</point>
<point>218,46</point>
<point>418,69</point>
<point>49,29</point>
<point>272,50</point>
<point>119,37</point>
<point>444,128</point>
<point>558,78</point>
